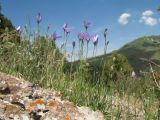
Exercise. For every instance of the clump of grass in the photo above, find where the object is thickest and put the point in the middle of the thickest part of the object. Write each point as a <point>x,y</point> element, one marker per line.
<point>106,86</point>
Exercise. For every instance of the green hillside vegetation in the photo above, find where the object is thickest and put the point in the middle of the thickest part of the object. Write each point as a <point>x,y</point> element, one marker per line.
<point>147,47</point>
<point>144,47</point>
<point>5,24</point>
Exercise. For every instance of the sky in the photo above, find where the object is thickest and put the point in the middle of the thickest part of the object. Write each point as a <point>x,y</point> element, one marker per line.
<point>126,20</point>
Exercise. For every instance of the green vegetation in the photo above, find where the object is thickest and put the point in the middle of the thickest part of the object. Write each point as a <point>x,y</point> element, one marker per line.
<point>103,83</point>
<point>5,24</point>
<point>147,47</point>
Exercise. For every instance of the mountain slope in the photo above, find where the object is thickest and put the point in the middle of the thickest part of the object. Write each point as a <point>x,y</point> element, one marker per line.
<point>147,47</point>
<point>144,47</point>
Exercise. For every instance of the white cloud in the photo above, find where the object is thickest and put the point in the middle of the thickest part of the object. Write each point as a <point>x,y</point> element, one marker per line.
<point>147,19</point>
<point>150,21</point>
<point>123,19</point>
<point>147,13</point>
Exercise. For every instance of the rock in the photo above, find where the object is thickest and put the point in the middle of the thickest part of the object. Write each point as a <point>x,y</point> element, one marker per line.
<point>34,115</point>
<point>16,117</point>
<point>67,117</point>
<point>20,105</point>
<point>25,117</point>
<point>22,100</point>
<point>4,88</point>
<point>41,107</point>
<point>90,114</point>
<point>2,108</point>
<point>11,109</point>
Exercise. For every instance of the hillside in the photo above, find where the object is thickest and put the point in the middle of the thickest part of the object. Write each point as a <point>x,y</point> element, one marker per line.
<point>144,47</point>
<point>5,24</point>
<point>147,47</point>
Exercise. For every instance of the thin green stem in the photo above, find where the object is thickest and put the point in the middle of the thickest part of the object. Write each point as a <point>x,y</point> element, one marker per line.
<point>87,50</point>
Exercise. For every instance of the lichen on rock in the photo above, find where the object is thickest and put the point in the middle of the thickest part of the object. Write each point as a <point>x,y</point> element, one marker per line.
<point>17,101</point>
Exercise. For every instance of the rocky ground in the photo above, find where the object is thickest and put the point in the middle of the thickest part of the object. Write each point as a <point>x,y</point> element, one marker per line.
<point>22,100</point>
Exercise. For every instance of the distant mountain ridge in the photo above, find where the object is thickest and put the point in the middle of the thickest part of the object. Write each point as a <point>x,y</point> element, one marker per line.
<point>147,47</point>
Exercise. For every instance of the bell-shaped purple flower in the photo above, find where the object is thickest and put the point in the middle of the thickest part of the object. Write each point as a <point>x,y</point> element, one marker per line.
<point>81,36</point>
<point>55,36</point>
<point>95,39</point>
<point>39,18</point>
<point>69,55</point>
<point>65,25</point>
<point>105,32</point>
<point>68,30</point>
<point>87,24</point>
<point>73,44</point>
<point>49,26</point>
<point>18,29</point>
<point>107,42</point>
<point>87,37</point>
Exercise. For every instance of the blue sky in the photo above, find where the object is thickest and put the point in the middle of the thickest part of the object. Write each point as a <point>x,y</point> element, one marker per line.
<point>125,19</point>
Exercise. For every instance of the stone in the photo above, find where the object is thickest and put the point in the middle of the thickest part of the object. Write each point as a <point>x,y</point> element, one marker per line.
<point>16,117</point>
<point>41,107</point>
<point>22,100</point>
<point>11,109</point>
<point>34,115</point>
<point>4,88</point>
<point>25,117</point>
<point>2,108</point>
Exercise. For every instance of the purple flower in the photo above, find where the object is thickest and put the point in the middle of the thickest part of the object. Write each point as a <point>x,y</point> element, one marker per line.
<point>73,44</point>
<point>95,39</point>
<point>39,18</point>
<point>65,25</point>
<point>81,36</point>
<point>87,36</point>
<point>87,24</point>
<point>18,29</point>
<point>105,32</point>
<point>69,55</point>
<point>49,26</point>
<point>84,36</point>
<point>55,36</point>
<point>68,30</point>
